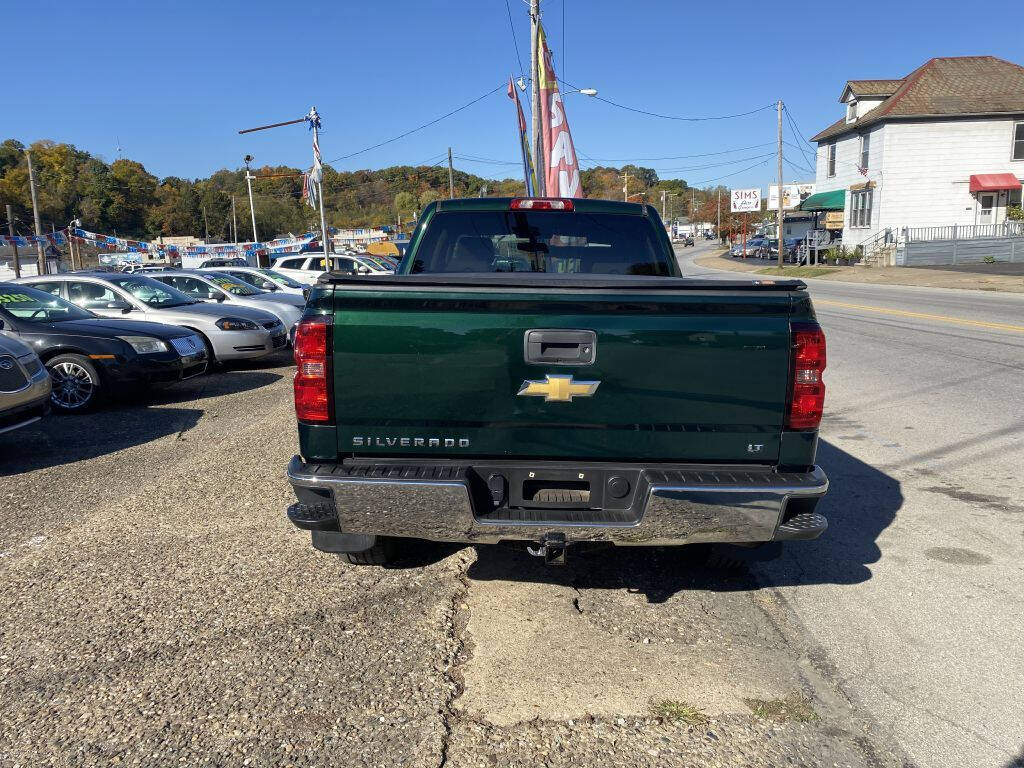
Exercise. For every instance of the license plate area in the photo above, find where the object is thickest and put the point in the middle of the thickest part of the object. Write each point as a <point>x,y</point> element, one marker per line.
<point>555,489</point>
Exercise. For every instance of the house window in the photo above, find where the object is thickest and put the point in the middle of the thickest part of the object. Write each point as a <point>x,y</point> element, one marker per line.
<point>1018,142</point>
<point>865,150</point>
<point>860,208</point>
<point>851,111</point>
<point>831,160</point>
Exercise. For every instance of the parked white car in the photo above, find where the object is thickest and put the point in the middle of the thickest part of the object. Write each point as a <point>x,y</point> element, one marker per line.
<point>306,268</point>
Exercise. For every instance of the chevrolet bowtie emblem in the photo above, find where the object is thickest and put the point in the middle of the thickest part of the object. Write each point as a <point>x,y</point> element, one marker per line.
<point>558,389</point>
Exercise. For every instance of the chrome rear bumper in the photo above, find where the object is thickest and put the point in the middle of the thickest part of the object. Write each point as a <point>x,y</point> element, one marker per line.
<point>669,504</point>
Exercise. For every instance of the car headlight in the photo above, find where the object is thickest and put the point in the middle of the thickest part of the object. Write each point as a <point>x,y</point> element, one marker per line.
<point>236,324</point>
<point>145,345</point>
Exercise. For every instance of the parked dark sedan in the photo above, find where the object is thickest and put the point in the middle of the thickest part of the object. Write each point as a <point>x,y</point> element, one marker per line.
<point>89,356</point>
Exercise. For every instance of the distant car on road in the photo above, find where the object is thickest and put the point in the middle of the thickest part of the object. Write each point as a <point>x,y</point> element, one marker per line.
<point>87,355</point>
<point>24,382</point>
<point>688,241</point>
<point>306,269</point>
<point>230,333</point>
<point>225,289</point>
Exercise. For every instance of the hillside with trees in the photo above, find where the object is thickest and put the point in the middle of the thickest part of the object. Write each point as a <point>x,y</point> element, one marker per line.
<point>122,198</point>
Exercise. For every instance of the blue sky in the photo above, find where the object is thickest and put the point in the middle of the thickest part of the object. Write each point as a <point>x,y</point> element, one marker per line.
<point>171,83</point>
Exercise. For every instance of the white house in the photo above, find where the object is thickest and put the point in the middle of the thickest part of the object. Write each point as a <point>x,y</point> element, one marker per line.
<point>942,146</point>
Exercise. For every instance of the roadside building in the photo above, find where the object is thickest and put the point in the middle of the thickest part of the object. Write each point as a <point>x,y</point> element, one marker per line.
<point>937,154</point>
<point>359,237</point>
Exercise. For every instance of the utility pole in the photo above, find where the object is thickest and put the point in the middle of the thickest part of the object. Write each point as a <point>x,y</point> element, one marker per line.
<point>206,225</point>
<point>625,186</point>
<point>693,223</point>
<point>315,122</point>
<point>535,65</point>
<point>663,205</point>
<point>10,230</point>
<point>781,215</point>
<point>252,210</point>
<point>41,265</point>
<point>718,228</point>
<point>234,221</point>
<point>451,176</point>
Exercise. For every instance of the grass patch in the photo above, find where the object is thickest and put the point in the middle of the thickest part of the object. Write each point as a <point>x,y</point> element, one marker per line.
<point>797,271</point>
<point>677,712</point>
<point>795,708</point>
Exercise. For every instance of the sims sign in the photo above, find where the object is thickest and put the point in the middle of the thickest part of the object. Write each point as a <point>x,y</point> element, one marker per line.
<point>746,200</point>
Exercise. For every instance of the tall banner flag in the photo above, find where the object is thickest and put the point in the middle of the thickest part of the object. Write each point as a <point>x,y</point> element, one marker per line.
<point>529,175</point>
<point>562,171</point>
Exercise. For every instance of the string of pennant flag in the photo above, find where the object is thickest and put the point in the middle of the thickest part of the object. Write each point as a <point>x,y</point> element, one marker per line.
<point>281,245</point>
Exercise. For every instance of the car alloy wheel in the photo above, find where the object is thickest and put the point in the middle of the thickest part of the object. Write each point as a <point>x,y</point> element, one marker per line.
<point>73,386</point>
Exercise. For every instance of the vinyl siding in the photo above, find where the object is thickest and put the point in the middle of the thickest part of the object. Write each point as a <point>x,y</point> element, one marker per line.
<point>921,171</point>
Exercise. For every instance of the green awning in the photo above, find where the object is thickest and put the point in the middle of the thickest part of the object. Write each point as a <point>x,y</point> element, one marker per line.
<point>825,201</point>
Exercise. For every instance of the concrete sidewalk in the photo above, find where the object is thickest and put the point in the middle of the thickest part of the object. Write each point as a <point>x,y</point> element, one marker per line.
<point>932,278</point>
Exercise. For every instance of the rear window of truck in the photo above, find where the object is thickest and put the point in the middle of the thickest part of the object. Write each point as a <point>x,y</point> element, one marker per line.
<point>543,241</point>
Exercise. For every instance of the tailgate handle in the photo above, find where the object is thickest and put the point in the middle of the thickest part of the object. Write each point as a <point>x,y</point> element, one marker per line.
<point>560,346</point>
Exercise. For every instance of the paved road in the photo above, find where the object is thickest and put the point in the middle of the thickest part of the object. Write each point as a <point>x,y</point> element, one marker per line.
<point>917,592</point>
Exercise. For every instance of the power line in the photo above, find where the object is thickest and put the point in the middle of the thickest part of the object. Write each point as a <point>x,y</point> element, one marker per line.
<point>420,127</point>
<point>671,117</point>
<point>715,165</point>
<point>795,167</point>
<point>728,175</point>
<point>515,42</point>
<point>678,157</point>
<point>793,130</point>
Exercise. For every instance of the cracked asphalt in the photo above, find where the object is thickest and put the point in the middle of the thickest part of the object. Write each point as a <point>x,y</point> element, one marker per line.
<point>158,609</point>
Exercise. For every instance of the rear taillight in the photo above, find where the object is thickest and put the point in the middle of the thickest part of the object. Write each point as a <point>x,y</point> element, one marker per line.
<point>312,352</point>
<point>807,390</point>
<point>540,204</point>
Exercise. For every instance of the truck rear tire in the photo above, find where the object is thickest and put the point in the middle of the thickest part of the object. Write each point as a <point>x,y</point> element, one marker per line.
<point>384,550</point>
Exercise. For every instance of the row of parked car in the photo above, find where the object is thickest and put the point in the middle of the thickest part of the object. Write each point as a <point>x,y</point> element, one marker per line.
<point>767,248</point>
<point>68,340</point>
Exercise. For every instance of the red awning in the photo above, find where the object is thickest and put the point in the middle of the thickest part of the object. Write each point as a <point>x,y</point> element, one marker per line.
<point>993,182</point>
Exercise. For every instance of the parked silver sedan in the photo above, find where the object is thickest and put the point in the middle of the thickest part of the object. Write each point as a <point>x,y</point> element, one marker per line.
<point>24,385</point>
<point>265,280</point>
<point>230,291</point>
<point>230,332</point>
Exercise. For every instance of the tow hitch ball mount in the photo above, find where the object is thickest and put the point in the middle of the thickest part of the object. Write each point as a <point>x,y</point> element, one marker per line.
<point>551,547</point>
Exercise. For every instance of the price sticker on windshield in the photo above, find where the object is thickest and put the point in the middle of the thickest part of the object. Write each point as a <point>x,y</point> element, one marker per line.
<point>13,298</point>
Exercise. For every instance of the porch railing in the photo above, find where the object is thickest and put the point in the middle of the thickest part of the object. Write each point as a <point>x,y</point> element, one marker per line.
<point>963,232</point>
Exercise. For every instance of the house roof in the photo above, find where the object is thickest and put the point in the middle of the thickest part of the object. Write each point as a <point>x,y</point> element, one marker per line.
<point>945,87</point>
<point>872,87</point>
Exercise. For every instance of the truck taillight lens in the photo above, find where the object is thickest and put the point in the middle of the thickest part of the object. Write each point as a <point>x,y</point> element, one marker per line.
<point>541,204</point>
<point>312,353</point>
<point>807,390</point>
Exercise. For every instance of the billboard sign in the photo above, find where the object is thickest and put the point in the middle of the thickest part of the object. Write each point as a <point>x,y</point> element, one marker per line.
<point>792,195</point>
<point>745,200</point>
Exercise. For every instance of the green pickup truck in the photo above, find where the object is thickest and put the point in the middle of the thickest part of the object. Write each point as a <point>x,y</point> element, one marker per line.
<point>539,371</point>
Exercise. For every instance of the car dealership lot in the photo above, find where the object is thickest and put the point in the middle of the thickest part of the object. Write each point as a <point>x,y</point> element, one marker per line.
<point>159,609</point>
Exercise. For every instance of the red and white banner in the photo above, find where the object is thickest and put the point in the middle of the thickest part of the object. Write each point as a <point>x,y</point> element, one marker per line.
<point>562,170</point>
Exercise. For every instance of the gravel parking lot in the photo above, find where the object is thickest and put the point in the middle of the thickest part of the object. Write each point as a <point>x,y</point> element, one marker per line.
<point>159,609</point>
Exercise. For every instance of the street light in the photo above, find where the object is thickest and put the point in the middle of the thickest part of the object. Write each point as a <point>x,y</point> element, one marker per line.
<point>584,91</point>
<point>248,180</point>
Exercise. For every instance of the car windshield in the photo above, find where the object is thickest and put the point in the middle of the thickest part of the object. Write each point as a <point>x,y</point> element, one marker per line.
<point>35,306</point>
<point>544,241</point>
<point>233,286</point>
<point>151,292</point>
<point>277,277</point>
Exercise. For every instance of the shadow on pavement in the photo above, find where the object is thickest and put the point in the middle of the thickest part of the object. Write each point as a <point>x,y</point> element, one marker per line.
<point>58,439</point>
<point>861,503</point>
<point>215,384</point>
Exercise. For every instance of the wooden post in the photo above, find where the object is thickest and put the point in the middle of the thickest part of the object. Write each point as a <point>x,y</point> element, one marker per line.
<point>10,230</point>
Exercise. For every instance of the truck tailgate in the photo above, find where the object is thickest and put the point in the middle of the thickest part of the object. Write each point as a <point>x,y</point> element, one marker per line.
<point>682,375</point>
